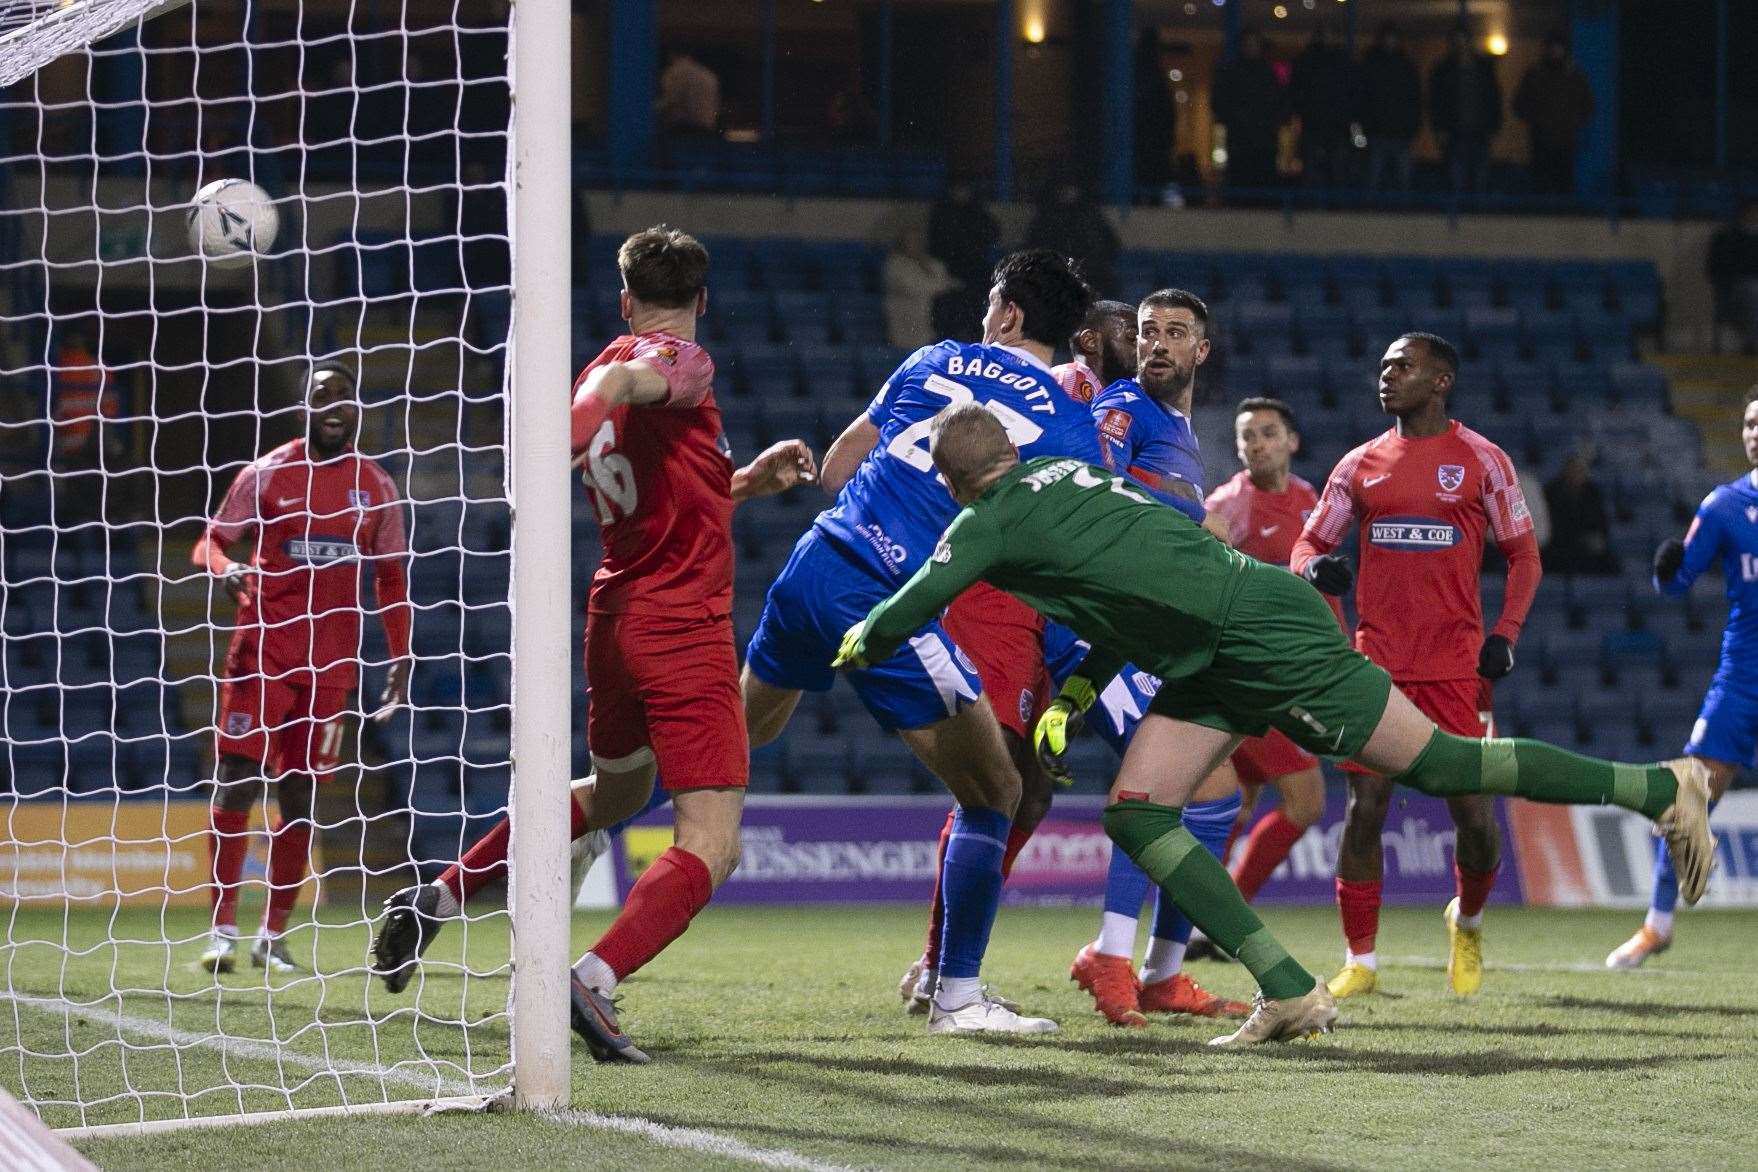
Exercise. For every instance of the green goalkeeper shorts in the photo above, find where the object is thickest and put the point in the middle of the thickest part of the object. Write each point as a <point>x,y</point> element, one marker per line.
<point>1283,662</point>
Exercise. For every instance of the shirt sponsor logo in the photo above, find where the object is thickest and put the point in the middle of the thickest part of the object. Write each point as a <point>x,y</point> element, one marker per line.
<point>1413,534</point>
<point>1451,476</point>
<point>1749,567</point>
<point>320,551</point>
<point>889,551</point>
<point>1115,423</point>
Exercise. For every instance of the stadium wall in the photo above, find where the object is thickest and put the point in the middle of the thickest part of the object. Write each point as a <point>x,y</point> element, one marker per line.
<point>1678,248</point>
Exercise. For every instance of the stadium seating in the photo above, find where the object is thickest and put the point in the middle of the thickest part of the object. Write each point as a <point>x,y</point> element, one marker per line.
<point>797,331</point>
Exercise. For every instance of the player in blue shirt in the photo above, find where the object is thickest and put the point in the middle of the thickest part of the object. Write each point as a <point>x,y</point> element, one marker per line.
<point>886,522</point>
<point>1725,737</point>
<point>1144,430</point>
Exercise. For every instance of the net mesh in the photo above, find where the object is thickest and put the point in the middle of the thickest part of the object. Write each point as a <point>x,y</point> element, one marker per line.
<point>36,32</point>
<point>136,383</point>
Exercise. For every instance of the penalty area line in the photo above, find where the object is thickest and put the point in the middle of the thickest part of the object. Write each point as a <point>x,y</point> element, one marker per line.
<point>454,1090</point>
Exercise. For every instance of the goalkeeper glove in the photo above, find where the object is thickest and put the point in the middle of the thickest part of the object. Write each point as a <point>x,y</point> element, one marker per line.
<point>1329,573</point>
<point>1496,659</point>
<point>853,652</point>
<point>1668,558</point>
<point>1056,728</point>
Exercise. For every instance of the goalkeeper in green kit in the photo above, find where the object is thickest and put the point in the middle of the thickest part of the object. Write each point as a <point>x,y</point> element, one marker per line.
<point>1241,647</point>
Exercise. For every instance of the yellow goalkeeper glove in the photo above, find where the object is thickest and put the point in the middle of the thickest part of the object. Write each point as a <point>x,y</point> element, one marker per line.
<point>1057,727</point>
<point>853,652</point>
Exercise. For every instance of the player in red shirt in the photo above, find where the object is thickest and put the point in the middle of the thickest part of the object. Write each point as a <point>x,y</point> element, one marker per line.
<point>1427,492</point>
<point>1265,507</point>
<point>664,694</point>
<point>316,509</point>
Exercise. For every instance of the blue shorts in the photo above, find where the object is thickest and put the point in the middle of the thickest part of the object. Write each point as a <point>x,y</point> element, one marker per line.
<point>820,594</point>
<point>1727,725</point>
<point>1122,702</point>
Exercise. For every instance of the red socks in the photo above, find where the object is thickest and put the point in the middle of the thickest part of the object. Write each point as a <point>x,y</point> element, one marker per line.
<point>485,862</point>
<point>228,841</point>
<point>1359,903</point>
<point>1016,842</point>
<point>1269,843</point>
<point>659,908</point>
<point>1473,888</point>
<point>289,855</point>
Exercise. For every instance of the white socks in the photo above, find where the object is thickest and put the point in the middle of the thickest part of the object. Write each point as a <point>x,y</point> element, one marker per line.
<point>957,992</point>
<point>1164,960</point>
<point>1117,934</point>
<point>1465,921</point>
<point>447,907</point>
<point>595,974</point>
<point>1367,960</point>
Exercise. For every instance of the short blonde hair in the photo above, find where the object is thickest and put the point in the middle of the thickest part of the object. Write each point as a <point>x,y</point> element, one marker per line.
<point>968,442</point>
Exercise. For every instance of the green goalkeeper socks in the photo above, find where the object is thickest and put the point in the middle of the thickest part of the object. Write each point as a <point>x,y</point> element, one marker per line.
<point>1155,837</point>
<point>1450,766</point>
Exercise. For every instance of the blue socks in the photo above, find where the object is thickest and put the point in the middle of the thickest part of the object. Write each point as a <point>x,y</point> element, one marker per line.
<point>1126,886</point>
<point>1210,823</point>
<point>970,886</point>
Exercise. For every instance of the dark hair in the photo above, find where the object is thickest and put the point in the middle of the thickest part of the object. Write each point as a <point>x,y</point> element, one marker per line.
<point>1264,403</point>
<point>333,366</point>
<point>1049,292</point>
<point>1105,311</point>
<point>1438,348</point>
<point>1179,299</point>
<point>663,266</point>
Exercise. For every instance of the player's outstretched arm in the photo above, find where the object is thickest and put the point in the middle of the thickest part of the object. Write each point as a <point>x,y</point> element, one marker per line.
<point>778,468</point>
<point>1678,564</point>
<point>855,444</point>
<point>968,548</point>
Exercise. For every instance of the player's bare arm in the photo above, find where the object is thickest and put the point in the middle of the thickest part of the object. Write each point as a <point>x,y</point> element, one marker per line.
<point>777,468</point>
<point>845,455</point>
<point>210,554</point>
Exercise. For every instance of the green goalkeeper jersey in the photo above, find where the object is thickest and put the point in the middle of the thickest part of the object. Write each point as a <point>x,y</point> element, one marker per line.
<point>1137,579</point>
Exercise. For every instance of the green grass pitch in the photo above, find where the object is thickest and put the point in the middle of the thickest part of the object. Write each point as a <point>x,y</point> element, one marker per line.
<point>780,1029</point>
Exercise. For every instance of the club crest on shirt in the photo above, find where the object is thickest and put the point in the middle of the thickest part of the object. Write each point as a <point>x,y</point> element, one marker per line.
<point>1026,703</point>
<point>237,723</point>
<point>360,498</point>
<point>1752,514</point>
<point>1451,476</point>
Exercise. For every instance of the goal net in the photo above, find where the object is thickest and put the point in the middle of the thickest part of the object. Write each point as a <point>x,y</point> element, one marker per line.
<point>161,739</point>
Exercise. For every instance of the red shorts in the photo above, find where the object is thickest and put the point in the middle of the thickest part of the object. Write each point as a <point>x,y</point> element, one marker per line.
<point>1263,759</point>
<point>285,725</point>
<point>666,689</point>
<point>1461,707</point>
<point>1004,638</point>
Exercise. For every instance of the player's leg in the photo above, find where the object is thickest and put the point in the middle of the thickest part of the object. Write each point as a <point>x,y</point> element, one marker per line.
<point>685,676</point>
<point>1360,874</point>
<point>251,708</point>
<point>1210,816</point>
<point>311,748</point>
<point>1725,732</point>
<point>1167,759</point>
<point>1406,746</point>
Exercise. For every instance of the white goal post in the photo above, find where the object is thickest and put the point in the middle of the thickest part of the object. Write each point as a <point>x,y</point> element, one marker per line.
<point>418,156</point>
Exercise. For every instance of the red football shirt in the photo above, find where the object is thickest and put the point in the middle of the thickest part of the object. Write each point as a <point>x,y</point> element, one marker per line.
<point>312,523</point>
<point>660,477</point>
<point>1263,525</point>
<point>1078,379</point>
<point>1425,506</point>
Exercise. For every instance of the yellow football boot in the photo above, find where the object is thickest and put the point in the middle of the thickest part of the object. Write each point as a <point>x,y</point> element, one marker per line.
<point>1464,954</point>
<point>1353,980</point>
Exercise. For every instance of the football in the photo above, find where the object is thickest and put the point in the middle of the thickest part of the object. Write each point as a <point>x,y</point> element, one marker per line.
<point>232,222</point>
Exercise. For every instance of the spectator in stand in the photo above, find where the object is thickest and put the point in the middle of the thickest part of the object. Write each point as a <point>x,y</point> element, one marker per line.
<point>1555,102</point>
<point>1733,270</point>
<point>1250,103</point>
<point>1465,109</point>
<point>1580,540</point>
<point>913,279</point>
<point>963,235</point>
<point>1389,106</point>
<point>1070,223</point>
<point>689,97</point>
<point>1322,91</point>
<point>1156,117</point>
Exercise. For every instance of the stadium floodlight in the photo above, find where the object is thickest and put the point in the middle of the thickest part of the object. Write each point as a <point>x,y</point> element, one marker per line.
<point>416,164</point>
